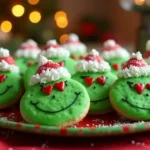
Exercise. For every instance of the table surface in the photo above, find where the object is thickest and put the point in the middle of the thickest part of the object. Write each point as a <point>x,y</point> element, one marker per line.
<point>11,140</point>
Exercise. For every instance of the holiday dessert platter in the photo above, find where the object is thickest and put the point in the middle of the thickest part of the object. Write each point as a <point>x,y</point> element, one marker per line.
<point>51,93</point>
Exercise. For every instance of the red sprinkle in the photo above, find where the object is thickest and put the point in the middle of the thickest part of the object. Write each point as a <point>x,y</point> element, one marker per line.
<point>89,81</point>
<point>60,86</point>
<point>125,128</point>
<point>74,57</point>
<point>148,86</point>
<point>101,80</point>
<point>37,126</point>
<point>116,66</point>
<point>47,89</point>
<point>18,124</point>
<point>63,131</point>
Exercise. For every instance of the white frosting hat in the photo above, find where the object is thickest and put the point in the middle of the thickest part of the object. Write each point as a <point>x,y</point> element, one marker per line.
<point>54,50</point>
<point>48,71</point>
<point>134,67</point>
<point>28,49</point>
<point>92,63</point>
<point>7,62</point>
<point>112,50</point>
<point>74,45</point>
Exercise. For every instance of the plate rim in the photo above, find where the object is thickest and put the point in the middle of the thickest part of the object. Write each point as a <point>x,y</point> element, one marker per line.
<point>72,131</point>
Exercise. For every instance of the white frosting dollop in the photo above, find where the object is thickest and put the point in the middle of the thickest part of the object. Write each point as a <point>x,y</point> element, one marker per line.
<point>137,55</point>
<point>75,47</point>
<point>134,72</point>
<point>42,60</point>
<point>50,75</point>
<point>4,66</point>
<point>119,52</point>
<point>28,52</point>
<point>4,52</point>
<point>94,52</point>
<point>55,53</point>
<point>92,66</point>
<point>148,45</point>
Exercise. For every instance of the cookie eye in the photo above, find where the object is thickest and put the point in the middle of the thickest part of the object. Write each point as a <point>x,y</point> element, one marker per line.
<point>147,94</point>
<point>130,84</point>
<point>66,84</point>
<point>94,87</point>
<point>41,85</point>
<point>83,77</point>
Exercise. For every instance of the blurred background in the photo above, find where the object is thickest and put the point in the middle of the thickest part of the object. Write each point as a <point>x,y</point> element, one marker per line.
<point>125,21</point>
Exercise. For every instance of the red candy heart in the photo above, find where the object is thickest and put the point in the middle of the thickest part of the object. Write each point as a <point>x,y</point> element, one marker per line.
<point>60,86</point>
<point>139,87</point>
<point>2,78</point>
<point>74,57</point>
<point>89,81</point>
<point>101,80</point>
<point>47,89</point>
<point>148,86</point>
<point>116,66</point>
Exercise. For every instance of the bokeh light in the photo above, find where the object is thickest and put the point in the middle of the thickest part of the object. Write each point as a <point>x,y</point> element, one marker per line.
<point>18,10</point>
<point>33,2</point>
<point>6,26</point>
<point>60,14</point>
<point>62,22</point>
<point>63,38</point>
<point>35,16</point>
<point>139,2</point>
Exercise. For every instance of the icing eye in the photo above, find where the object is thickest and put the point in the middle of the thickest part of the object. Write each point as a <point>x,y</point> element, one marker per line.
<point>130,84</point>
<point>94,87</point>
<point>83,77</point>
<point>53,97</point>
<point>147,94</point>
<point>66,84</point>
<point>41,85</point>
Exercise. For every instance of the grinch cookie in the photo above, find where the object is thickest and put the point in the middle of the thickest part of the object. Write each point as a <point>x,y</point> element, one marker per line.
<point>94,73</point>
<point>26,55</point>
<point>146,55</point>
<point>10,80</point>
<point>54,99</point>
<point>75,47</point>
<point>130,94</point>
<point>115,55</point>
<point>56,53</point>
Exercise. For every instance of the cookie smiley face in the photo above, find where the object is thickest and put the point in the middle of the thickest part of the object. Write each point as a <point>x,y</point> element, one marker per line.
<point>10,85</point>
<point>131,97</point>
<point>97,85</point>
<point>60,103</point>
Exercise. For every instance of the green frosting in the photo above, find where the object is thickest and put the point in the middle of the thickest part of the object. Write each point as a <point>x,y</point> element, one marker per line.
<point>10,88</point>
<point>22,63</point>
<point>119,61</point>
<point>78,53</point>
<point>128,102</point>
<point>57,108</point>
<point>69,64</point>
<point>99,94</point>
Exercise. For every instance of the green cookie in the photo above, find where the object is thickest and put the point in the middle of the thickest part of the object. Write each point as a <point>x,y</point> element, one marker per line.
<point>116,64</point>
<point>99,94</point>
<point>23,64</point>
<point>68,63</point>
<point>10,89</point>
<point>127,101</point>
<point>60,108</point>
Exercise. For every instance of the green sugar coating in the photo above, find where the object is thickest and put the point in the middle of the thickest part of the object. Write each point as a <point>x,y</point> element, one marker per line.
<point>99,94</point>
<point>22,63</point>
<point>119,61</point>
<point>69,64</point>
<point>10,88</point>
<point>127,101</point>
<point>57,108</point>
